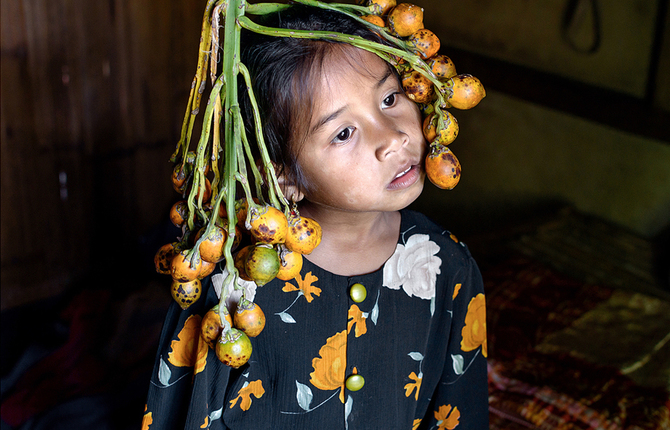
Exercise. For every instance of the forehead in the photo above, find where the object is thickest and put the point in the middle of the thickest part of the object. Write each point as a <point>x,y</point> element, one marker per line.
<point>348,59</point>
<point>349,65</point>
<point>348,77</point>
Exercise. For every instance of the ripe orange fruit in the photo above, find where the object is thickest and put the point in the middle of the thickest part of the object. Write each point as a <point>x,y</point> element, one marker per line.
<point>211,248</point>
<point>466,91</point>
<point>233,348</point>
<point>206,269</point>
<point>304,234</point>
<point>374,19</point>
<point>269,225</point>
<point>418,87</point>
<point>379,7</point>
<point>186,293</point>
<point>211,326</point>
<point>185,268</point>
<point>425,42</point>
<point>449,130</point>
<point>442,66</point>
<point>179,176</point>
<point>262,264</point>
<point>179,213</point>
<point>249,318</point>
<point>405,19</point>
<point>290,265</point>
<point>442,167</point>
<point>164,256</point>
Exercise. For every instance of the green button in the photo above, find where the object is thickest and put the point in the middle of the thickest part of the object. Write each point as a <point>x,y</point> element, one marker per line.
<point>355,382</point>
<point>358,293</point>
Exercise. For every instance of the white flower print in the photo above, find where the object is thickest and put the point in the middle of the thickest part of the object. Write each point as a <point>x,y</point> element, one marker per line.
<point>233,294</point>
<point>414,267</point>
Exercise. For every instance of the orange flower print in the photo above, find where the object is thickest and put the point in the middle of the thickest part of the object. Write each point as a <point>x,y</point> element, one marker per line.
<point>412,385</point>
<point>356,317</point>
<point>253,387</point>
<point>206,423</point>
<point>305,286</point>
<point>447,418</point>
<point>453,237</point>
<point>147,419</point>
<point>474,331</point>
<point>190,350</point>
<point>415,424</point>
<point>329,368</point>
<point>457,288</point>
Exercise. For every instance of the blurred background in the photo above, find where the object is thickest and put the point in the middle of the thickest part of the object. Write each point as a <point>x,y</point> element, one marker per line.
<point>570,147</point>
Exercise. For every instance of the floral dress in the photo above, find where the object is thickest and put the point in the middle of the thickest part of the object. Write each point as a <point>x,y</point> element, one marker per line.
<point>408,353</point>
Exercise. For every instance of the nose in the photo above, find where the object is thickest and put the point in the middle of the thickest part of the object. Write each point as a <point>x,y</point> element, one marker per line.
<point>389,138</point>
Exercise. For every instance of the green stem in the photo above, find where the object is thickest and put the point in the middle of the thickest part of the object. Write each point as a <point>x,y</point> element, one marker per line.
<point>355,12</point>
<point>216,145</point>
<point>338,7</point>
<point>258,180</point>
<point>197,88</point>
<point>383,51</point>
<point>266,8</point>
<point>274,190</point>
<point>200,163</point>
<point>231,54</point>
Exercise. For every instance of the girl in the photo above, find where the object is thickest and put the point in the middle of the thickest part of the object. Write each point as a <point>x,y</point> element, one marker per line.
<point>384,328</point>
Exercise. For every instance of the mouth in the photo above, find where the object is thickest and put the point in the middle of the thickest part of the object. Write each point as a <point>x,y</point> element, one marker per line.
<point>406,177</point>
<point>403,173</point>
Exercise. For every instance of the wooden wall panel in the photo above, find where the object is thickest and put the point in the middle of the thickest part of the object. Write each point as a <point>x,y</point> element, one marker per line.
<point>93,95</point>
<point>530,33</point>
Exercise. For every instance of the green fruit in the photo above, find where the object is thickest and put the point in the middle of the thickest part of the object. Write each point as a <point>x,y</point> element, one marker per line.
<point>262,264</point>
<point>233,348</point>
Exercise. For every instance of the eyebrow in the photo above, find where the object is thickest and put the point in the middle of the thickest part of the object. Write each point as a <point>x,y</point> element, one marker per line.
<point>327,118</point>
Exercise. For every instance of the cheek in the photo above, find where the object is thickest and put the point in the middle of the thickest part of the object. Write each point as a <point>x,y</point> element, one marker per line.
<point>409,118</point>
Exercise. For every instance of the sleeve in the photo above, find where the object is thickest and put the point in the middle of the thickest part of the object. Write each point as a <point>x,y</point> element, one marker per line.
<point>461,397</point>
<point>182,390</point>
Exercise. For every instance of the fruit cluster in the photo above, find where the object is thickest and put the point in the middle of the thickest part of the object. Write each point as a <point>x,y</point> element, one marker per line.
<point>273,247</point>
<point>267,244</point>
<point>404,21</point>
<point>258,235</point>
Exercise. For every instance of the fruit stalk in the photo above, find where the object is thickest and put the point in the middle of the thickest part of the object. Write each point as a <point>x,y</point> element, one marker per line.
<point>231,55</point>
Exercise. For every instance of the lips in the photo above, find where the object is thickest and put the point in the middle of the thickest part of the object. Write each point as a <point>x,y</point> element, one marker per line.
<point>404,172</point>
<point>406,177</point>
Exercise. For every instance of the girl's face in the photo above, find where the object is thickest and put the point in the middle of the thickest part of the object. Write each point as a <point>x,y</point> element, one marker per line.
<point>364,146</point>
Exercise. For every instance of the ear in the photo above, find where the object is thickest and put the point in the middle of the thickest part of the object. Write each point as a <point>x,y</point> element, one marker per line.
<point>289,188</point>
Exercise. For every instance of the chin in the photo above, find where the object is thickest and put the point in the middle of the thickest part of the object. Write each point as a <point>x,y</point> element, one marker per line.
<point>413,192</point>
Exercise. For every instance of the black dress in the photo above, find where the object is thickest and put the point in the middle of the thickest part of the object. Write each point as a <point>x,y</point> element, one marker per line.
<point>416,343</point>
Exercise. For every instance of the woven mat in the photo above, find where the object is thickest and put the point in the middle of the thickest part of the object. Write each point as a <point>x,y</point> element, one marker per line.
<point>573,342</point>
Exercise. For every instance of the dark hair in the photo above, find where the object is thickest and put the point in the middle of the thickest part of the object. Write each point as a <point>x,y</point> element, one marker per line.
<point>282,71</point>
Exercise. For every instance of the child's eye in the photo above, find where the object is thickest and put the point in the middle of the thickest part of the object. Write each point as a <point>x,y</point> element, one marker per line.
<point>343,135</point>
<point>390,100</point>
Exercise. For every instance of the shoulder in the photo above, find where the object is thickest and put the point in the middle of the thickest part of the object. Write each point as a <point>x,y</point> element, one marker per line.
<point>426,247</point>
<point>416,223</point>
